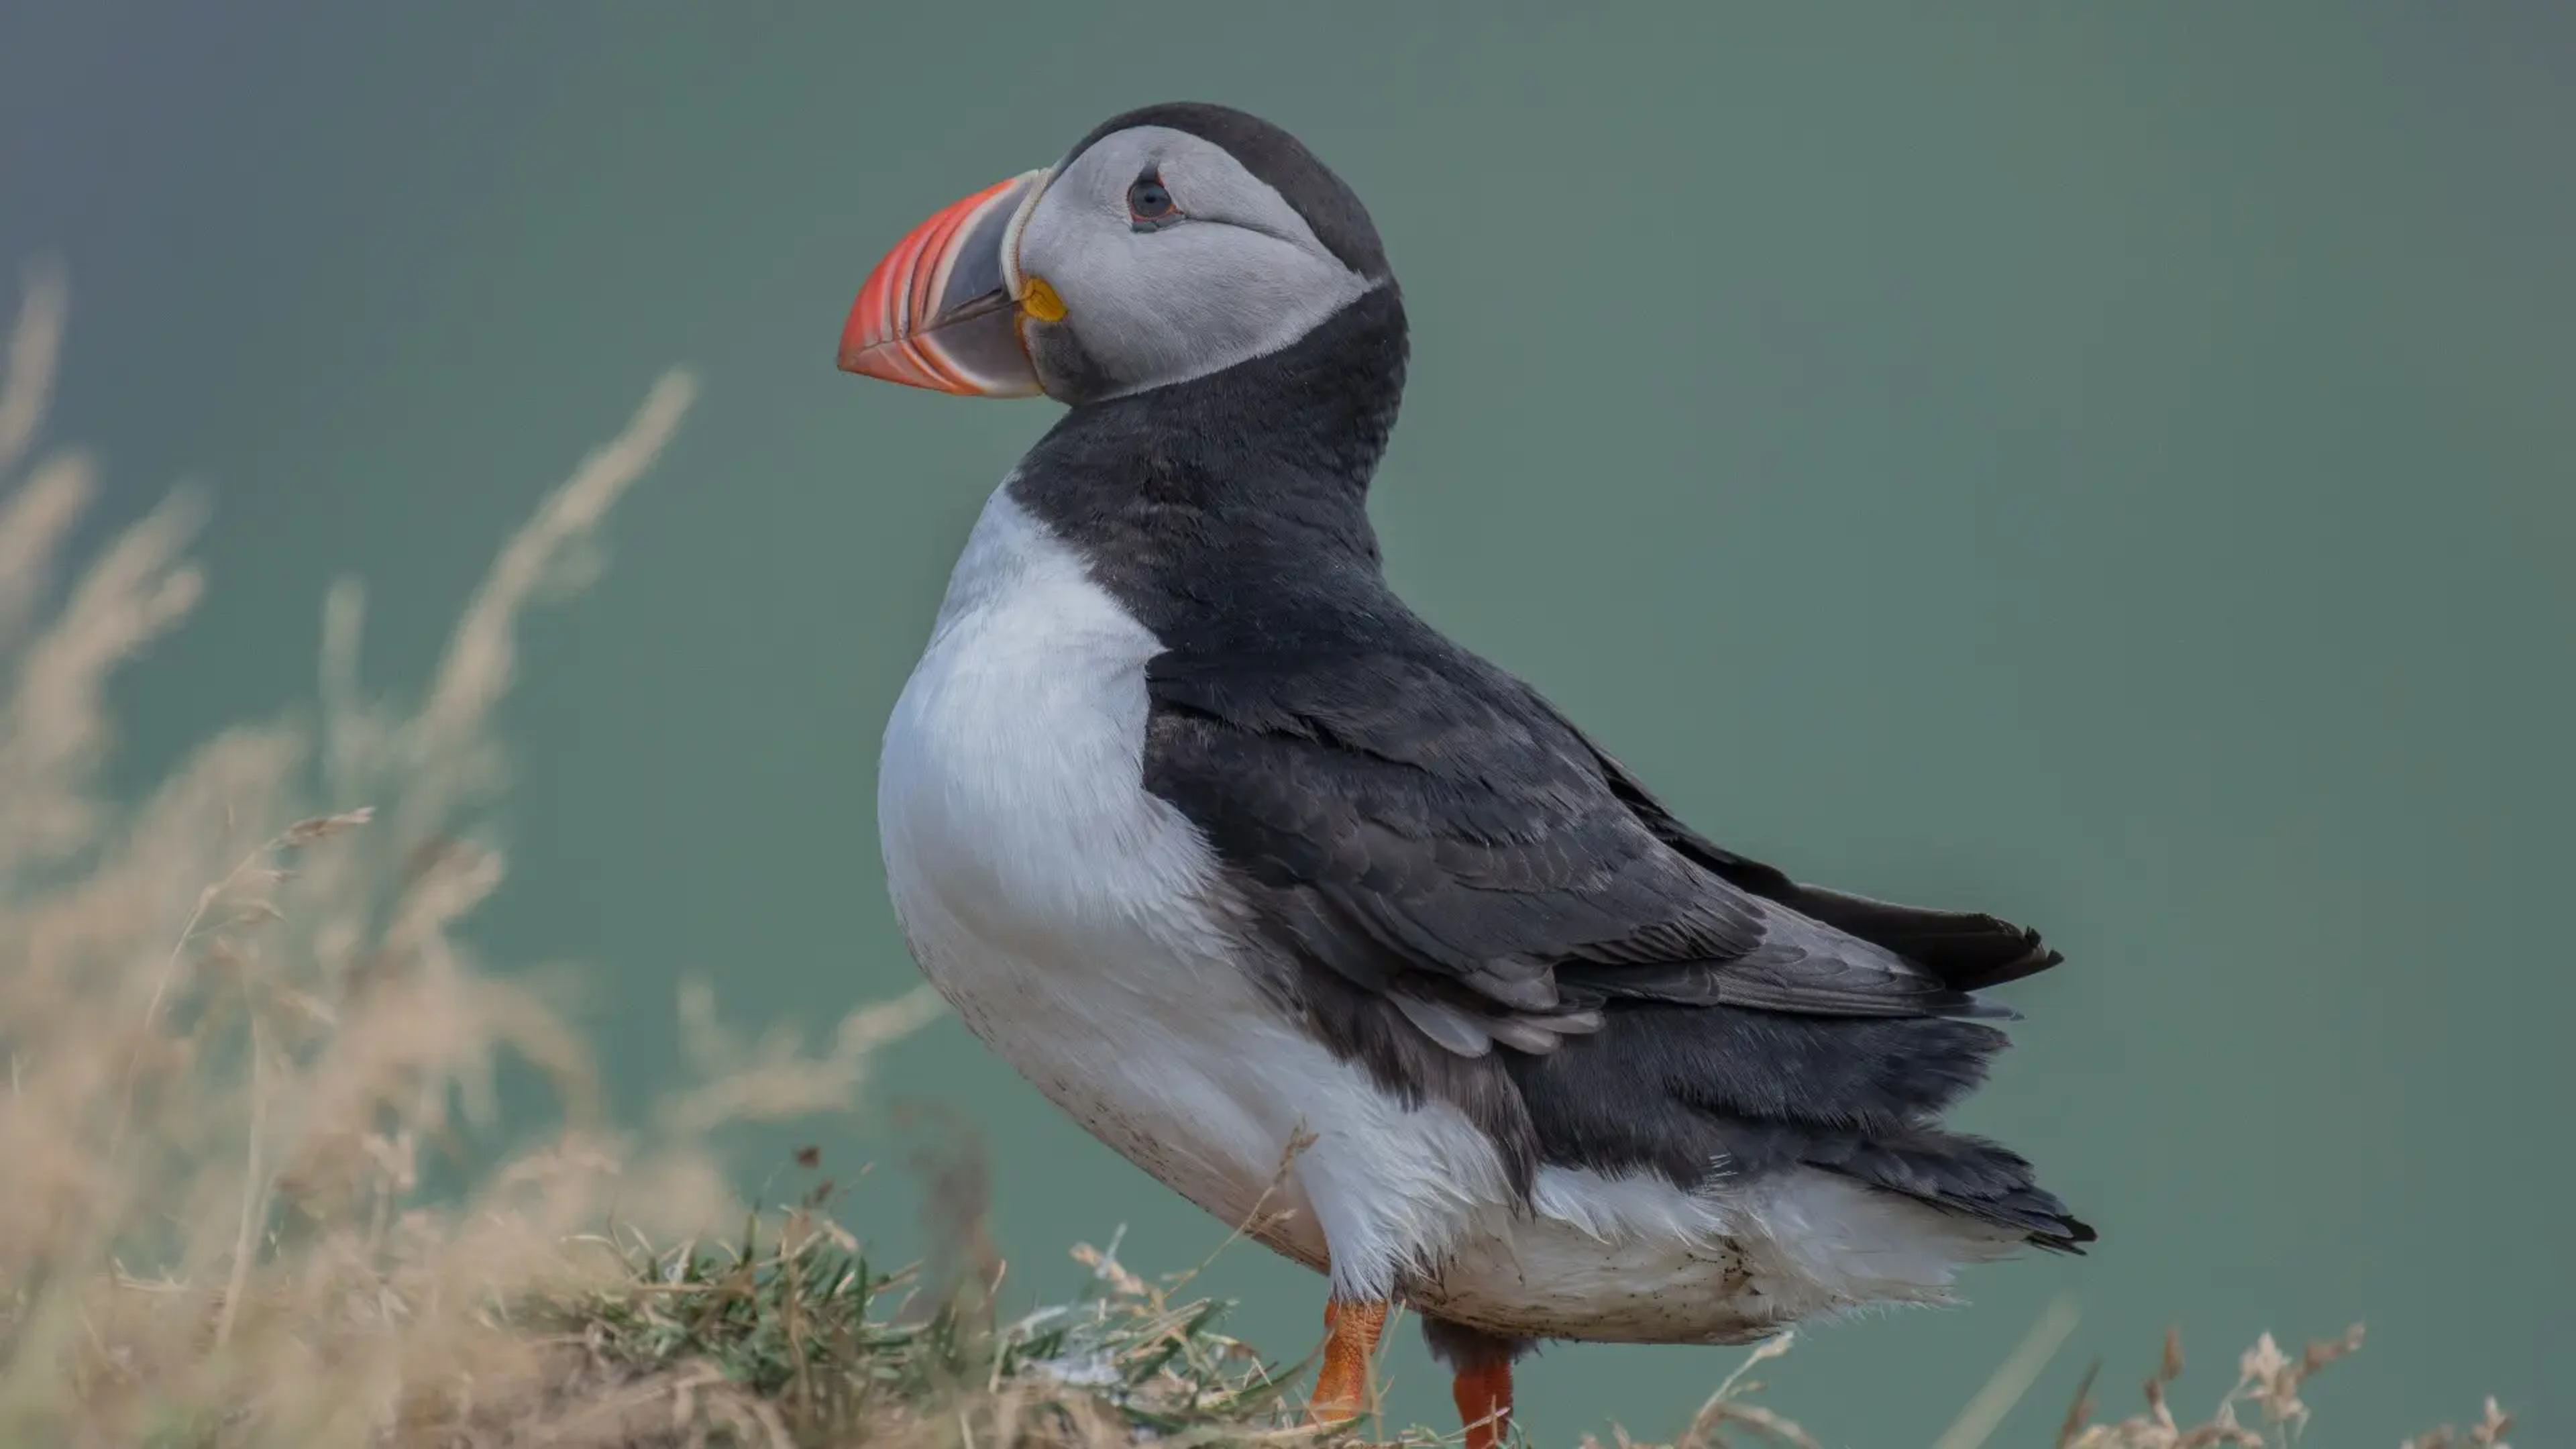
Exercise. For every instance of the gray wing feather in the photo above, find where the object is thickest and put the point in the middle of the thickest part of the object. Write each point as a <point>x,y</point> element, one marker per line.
<point>1424,827</point>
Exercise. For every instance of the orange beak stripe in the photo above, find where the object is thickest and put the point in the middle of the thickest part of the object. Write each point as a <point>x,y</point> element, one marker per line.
<point>895,328</point>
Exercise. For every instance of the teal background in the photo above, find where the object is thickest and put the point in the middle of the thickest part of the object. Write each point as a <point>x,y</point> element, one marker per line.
<point>2106,465</point>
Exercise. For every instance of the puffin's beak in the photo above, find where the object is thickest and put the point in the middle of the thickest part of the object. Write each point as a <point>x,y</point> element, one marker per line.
<point>942,310</point>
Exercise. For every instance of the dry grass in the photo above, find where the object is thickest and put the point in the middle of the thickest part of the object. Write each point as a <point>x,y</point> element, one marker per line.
<point>2261,1410</point>
<point>239,1027</point>
<point>223,1100</point>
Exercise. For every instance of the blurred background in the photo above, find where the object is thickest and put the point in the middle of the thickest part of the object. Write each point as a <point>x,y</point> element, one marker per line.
<point>2110,468</point>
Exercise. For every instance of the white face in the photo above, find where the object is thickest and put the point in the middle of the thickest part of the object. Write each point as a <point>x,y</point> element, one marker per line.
<point>1172,262</point>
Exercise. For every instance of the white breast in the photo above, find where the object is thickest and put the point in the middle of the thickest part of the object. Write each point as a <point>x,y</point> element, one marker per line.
<point>1067,915</point>
<point>1071,919</point>
<point>1010,793</point>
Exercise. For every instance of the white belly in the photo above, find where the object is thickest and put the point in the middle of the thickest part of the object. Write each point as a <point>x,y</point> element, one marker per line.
<point>1066,913</point>
<point>1069,918</point>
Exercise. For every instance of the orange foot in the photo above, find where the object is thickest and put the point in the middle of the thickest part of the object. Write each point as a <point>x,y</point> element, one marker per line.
<point>1350,1341</point>
<point>1484,1396</point>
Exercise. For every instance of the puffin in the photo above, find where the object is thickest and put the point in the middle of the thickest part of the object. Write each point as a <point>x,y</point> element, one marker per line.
<point>1340,931</point>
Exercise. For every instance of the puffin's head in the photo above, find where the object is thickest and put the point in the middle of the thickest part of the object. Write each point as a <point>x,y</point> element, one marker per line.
<point>1172,242</point>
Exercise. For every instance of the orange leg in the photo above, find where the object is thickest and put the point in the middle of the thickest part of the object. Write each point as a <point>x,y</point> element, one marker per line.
<point>1350,1342</point>
<point>1484,1396</point>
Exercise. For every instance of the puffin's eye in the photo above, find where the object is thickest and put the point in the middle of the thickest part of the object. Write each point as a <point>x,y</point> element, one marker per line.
<point>1148,202</point>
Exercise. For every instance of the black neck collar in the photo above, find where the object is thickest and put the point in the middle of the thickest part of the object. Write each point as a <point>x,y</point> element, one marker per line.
<point>1196,497</point>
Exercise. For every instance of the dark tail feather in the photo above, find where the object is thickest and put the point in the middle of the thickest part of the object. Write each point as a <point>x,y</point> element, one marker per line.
<point>1968,951</point>
<point>1949,1170</point>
